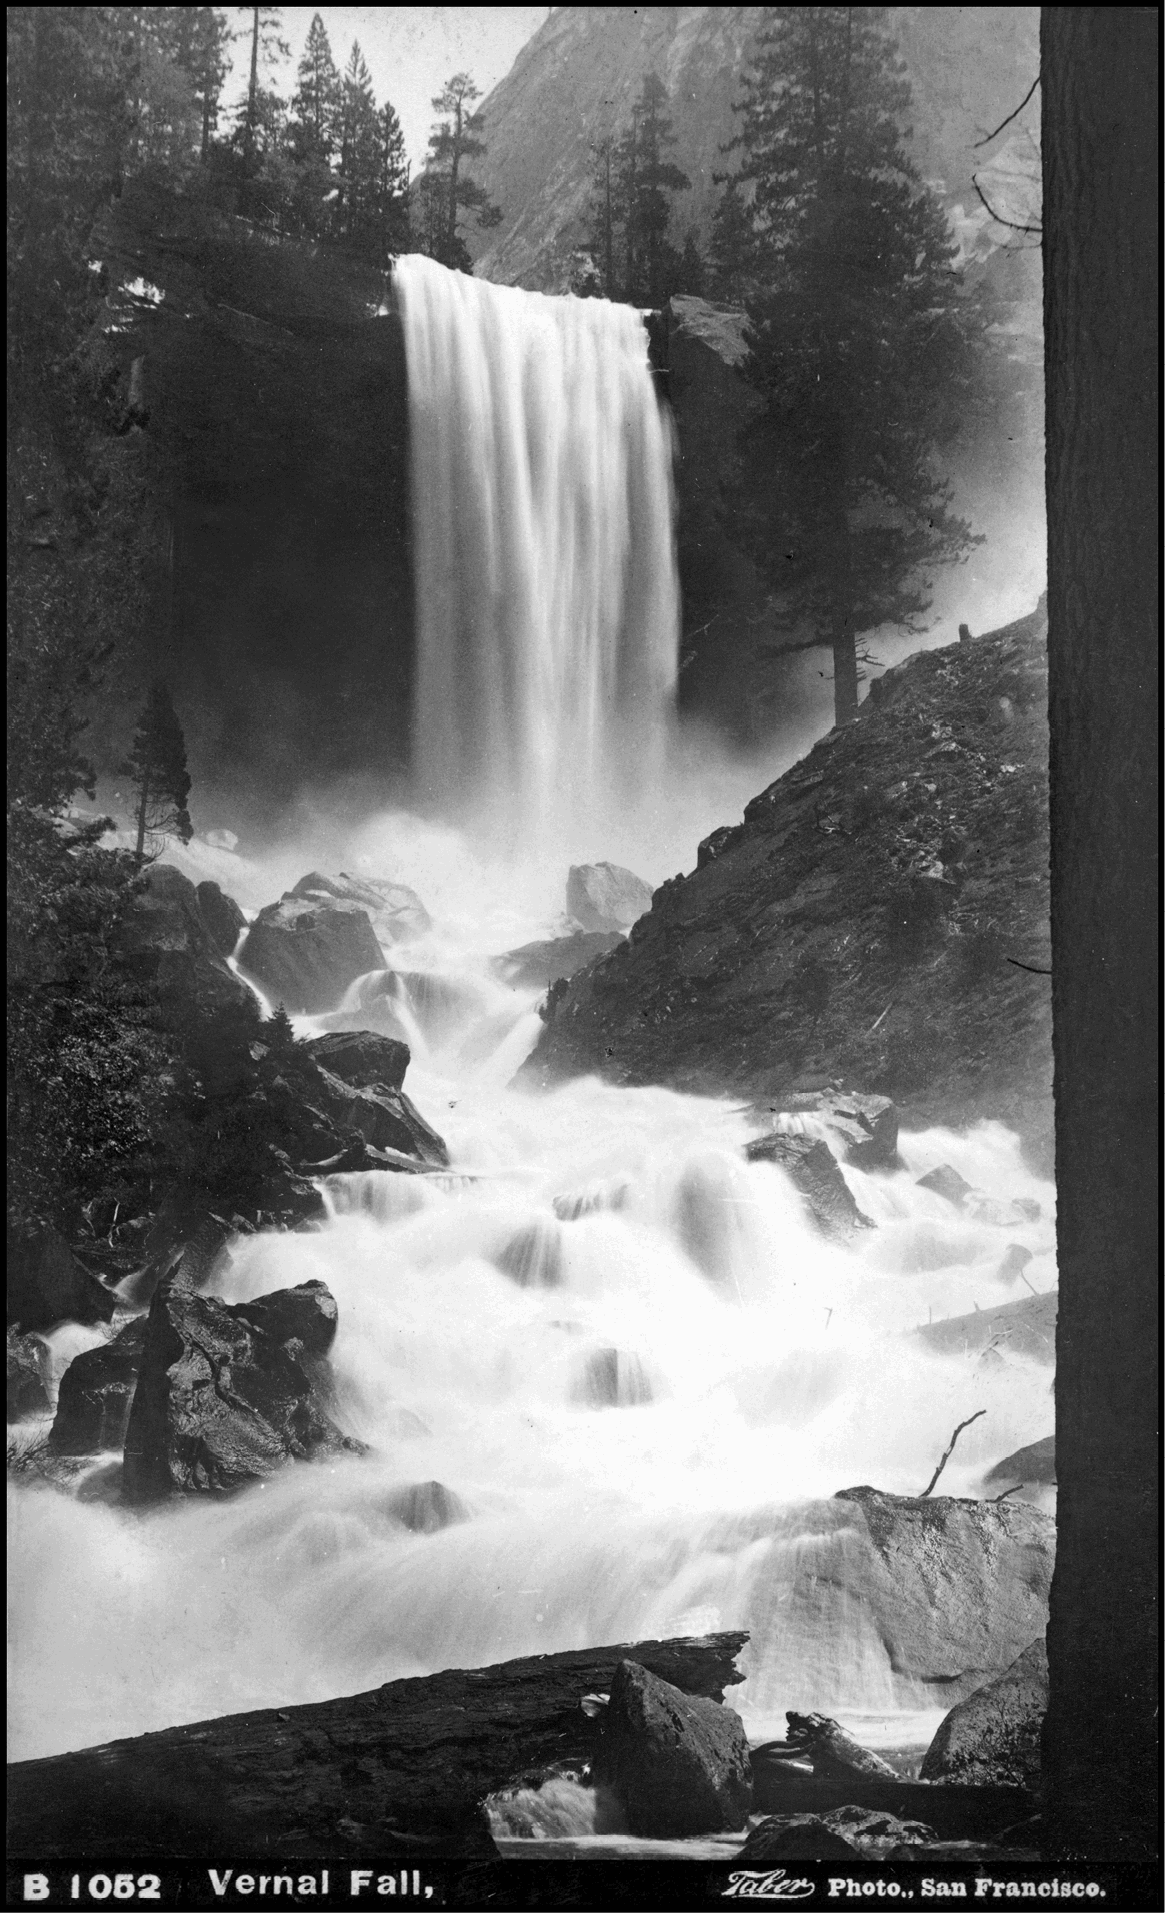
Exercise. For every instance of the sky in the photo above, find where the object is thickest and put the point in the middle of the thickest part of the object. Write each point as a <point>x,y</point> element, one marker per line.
<point>411,52</point>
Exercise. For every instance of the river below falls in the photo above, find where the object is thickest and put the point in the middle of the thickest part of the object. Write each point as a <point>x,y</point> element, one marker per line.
<point>626,1355</point>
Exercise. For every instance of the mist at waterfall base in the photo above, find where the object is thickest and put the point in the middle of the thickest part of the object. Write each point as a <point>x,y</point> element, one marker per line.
<point>621,1347</point>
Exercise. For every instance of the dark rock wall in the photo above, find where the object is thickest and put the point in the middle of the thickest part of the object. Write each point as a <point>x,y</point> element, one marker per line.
<point>880,916</point>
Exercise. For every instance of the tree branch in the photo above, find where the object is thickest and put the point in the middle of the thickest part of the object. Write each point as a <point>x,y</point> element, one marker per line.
<point>1010,117</point>
<point>950,1451</point>
<point>998,217</point>
<point>1033,969</point>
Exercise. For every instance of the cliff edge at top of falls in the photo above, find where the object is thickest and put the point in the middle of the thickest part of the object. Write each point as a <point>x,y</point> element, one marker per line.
<point>879,919</point>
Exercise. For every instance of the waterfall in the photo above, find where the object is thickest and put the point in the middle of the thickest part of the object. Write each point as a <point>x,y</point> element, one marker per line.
<point>544,552</point>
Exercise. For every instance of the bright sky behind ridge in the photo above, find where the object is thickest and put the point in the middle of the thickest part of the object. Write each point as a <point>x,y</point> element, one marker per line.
<point>411,52</point>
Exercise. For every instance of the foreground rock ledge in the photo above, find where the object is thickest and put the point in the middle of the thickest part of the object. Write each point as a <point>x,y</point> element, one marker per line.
<point>398,1772</point>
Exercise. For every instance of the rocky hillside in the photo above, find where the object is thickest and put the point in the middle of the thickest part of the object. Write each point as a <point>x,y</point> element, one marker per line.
<point>880,917</point>
<point>576,79</point>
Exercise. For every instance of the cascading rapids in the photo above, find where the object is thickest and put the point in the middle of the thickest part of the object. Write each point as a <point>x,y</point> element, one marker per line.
<point>547,596</point>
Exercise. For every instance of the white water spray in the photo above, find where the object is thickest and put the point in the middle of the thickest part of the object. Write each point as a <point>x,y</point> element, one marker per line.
<point>547,597</point>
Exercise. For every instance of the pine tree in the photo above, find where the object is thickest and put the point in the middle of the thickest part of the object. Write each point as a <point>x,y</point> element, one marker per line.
<point>359,149</point>
<point>656,181</point>
<point>456,139</point>
<point>316,103</point>
<point>691,275</point>
<point>732,245</point>
<point>157,769</point>
<point>860,342</point>
<point>392,189</point>
<point>267,45</point>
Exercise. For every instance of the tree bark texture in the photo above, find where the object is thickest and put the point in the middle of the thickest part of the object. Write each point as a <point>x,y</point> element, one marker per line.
<point>400,1771</point>
<point>1099,81</point>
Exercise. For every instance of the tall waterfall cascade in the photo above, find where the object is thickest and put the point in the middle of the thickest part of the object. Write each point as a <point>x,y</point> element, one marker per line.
<point>544,552</point>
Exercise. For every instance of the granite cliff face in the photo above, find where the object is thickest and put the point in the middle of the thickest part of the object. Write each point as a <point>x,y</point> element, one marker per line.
<point>880,917</point>
<point>576,80</point>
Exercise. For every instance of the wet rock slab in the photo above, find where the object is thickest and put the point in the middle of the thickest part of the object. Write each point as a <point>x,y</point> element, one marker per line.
<point>993,1737</point>
<point>678,1765</point>
<point>226,1394</point>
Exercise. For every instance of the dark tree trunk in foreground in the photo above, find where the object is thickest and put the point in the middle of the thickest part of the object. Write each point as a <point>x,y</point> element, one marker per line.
<point>398,1772</point>
<point>1099,71</point>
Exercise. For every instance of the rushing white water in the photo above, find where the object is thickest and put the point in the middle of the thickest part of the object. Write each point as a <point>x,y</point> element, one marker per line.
<point>624,1351</point>
<point>547,601</point>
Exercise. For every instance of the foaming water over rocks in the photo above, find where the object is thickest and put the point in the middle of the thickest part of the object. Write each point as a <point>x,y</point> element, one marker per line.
<point>632,1367</point>
<point>547,596</point>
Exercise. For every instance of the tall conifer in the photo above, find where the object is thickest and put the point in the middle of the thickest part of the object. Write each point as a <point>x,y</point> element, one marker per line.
<point>157,769</point>
<point>860,338</point>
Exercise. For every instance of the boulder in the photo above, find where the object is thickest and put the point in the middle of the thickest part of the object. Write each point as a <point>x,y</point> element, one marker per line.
<point>605,896</point>
<point>778,957</point>
<point>225,1394</point>
<point>678,1764</point>
<point>993,1737</point>
<point>876,1830</point>
<point>27,1394</point>
<point>96,1394</point>
<point>947,1183</point>
<point>955,1589</point>
<point>304,951</point>
<point>536,965</point>
<point>1026,1327</point>
<point>47,1284</point>
<point>533,1256</point>
<point>222,916</point>
<point>397,913</point>
<point>612,1378</point>
<point>384,1117</point>
<point>1034,1464</point>
<point>794,1836</point>
<point>814,1173</point>
<point>361,1058</point>
<point>865,1127</point>
<point>170,942</point>
<point>427,1506</point>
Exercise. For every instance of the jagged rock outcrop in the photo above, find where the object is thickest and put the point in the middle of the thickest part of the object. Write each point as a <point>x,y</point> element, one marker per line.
<point>863,1129</point>
<point>812,1168</point>
<point>361,1058</point>
<point>879,918</point>
<point>304,951</point>
<point>960,1587</point>
<point>679,1765</point>
<point>96,1394</point>
<point>993,1737</point>
<point>176,947</point>
<point>384,1117</point>
<point>397,913</point>
<point>1033,1464</point>
<point>226,1393</point>
<point>605,897</point>
<point>47,1284</point>
<point>535,965</point>
<point>221,915</point>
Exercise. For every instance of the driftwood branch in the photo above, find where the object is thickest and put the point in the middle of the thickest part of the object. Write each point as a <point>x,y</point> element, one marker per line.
<point>950,1449</point>
<point>819,1767</point>
<point>398,1772</point>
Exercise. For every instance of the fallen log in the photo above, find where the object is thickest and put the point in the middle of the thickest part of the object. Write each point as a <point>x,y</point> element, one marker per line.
<point>819,1767</point>
<point>401,1771</point>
